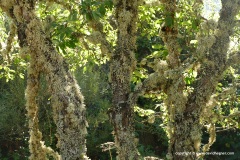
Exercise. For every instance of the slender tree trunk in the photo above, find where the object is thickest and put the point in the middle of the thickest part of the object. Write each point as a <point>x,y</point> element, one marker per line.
<point>36,146</point>
<point>122,66</point>
<point>66,98</point>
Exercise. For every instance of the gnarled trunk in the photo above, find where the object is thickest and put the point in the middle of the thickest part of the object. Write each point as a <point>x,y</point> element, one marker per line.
<point>185,111</point>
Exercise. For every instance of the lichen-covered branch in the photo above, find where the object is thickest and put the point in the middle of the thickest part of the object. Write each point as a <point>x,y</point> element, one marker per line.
<point>67,100</point>
<point>36,146</point>
<point>235,114</point>
<point>210,72</point>
<point>212,138</point>
<point>96,37</point>
<point>152,3</point>
<point>233,59</point>
<point>213,68</point>
<point>99,37</point>
<point>169,33</point>
<point>155,81</point>
<point>6,52</point>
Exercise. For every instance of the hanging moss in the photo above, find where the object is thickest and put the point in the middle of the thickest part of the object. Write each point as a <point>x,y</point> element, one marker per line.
<point>6,52</point>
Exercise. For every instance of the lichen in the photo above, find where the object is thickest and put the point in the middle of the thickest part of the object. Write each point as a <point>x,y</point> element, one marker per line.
<point>95,37</point>
<point>160,66</point>
<point>6,5</point>
<point>17,10</point>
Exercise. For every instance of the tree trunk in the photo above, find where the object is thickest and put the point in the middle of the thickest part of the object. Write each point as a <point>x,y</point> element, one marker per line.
<point>122,66</point>
<point>66,98</point>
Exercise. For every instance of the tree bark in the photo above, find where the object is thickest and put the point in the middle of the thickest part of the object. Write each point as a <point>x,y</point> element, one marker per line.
<point>122,66</point>
<point>66,98</point>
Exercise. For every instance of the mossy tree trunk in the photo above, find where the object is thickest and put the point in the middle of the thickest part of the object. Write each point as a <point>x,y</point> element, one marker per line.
<point>185,111</point>
<point>66,98</point>
<point>122,66</point>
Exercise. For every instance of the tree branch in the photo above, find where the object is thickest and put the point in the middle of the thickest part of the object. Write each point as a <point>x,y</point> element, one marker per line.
<point>67,101</point>
<point>235,114</point>
<point>233,59</point>
<point>99,37</point>
<point>212,137</point>
<point>152,3</point>
<point>155,80</point>
<point>95,38</point>
<point>10,39</point>
<point>62,3</point>
<point>215,62</point>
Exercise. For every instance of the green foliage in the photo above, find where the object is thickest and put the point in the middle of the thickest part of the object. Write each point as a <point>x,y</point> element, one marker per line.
<point>16,69</point>
<point>6,72</point>
<point>96,90</point>
<point>146,150</point>
<point>11,64</point>
<point>69,29</point>
<point>150,20</point>
<point>226,142</point>
<point>94,10</point>
<point>190,77</point>
<point>169,20</point>
<point>13,129</point>
<point>45,115</point>
<point>153,140</point>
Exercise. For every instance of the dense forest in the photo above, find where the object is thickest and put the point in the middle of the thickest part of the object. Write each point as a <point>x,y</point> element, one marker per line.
<point>119,79</point>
